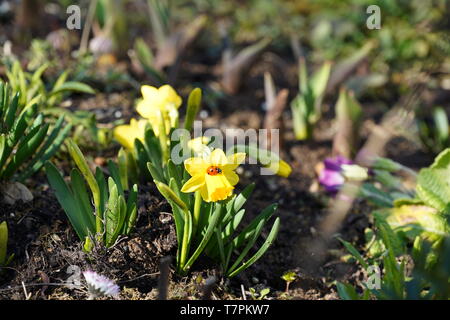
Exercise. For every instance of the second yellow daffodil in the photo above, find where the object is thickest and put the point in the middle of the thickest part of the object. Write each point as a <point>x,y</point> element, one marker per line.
<point>127,133</point>
<point>213,176</point>
<point>159,104</point>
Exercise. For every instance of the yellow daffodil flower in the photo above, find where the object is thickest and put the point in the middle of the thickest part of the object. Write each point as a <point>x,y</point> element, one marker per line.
<point>213,176</point>
<point>159,104</point>
<point>199,146</point>
<point>127,133</point>
<point>281,168</point>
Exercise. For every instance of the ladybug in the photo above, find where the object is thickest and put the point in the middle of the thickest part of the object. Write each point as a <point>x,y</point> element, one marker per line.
<point>213,170</point>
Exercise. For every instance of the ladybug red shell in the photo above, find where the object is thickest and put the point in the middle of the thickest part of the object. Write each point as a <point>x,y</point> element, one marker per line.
<point>213,170</point>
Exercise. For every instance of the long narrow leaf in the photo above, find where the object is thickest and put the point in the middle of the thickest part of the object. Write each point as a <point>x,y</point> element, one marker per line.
<point>270,239</point>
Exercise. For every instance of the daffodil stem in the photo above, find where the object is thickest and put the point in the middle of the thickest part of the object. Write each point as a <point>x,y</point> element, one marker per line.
<point>163,139</point>
<point>197,206</point>
<point>187,233</point>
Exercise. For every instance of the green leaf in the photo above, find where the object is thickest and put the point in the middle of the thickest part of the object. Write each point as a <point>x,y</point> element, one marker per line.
<point>19,127</point>
<point>303,76</point>
<point>25,150</point>
<point>123,162</point>
<point>433,186</point>
<point>114,172</point>
<point>3,242</point>
<point>81,163</point>
<point>441,124</point>
<point>416,220</point>
<point>235,205</point>
<point>265,215</point>
<point>193,106</point>
<point>103,187</point>
<point>390,239</point>
<point>65,197</point>
<point>270,239</point>
<point>115,214</point>
<point>2,144</point>
<point>73,86</point>
<point>215,218</point>
<point>346,291</point>
<point>232,225</point>
<point>442,161</point>
<point>46,152</point>
<point>82,198</point>
<point>11,111</point>
<point>319,80</point>
<point>257,231</point>
<point>355,253</point>
<point>170,195</point>
<point>143,52</point>
<point>347,107</point>
<point>375,195</point>
<point>155,173</point>
<point>39,72</point>
<point>131,210</point>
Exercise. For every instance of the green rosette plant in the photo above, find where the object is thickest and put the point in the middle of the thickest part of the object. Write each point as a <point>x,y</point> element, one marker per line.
<point>99,212</point>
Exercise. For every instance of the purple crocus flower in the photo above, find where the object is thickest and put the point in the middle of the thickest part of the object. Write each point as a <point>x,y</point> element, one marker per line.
<point>330,175</point>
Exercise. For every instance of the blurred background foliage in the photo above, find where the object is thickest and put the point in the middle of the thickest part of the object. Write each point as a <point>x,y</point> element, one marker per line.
<point>127,44</point>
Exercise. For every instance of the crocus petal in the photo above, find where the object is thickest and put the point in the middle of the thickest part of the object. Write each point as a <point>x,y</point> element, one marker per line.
<point>336,163</point>
<point>196,166</point>
<point>194,183</point>
<point>331,180</point>
<point>353,172</point>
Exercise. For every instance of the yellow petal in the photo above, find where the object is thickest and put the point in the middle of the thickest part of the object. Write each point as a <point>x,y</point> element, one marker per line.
<point>121,134</point>
<point>231,176</point>
<point>235,160</point>
<point>141,126</point>
<point>199,146</point>
<point>204,193</point>
<point>127,133</point>
<point>194,183</point>
<point>218,158</point>
<point>149,92</point>
<point>196,166</point>
<point>144,108</point>
<point>171,116</point>
<point>169,96</point>
<point>280,168</point>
